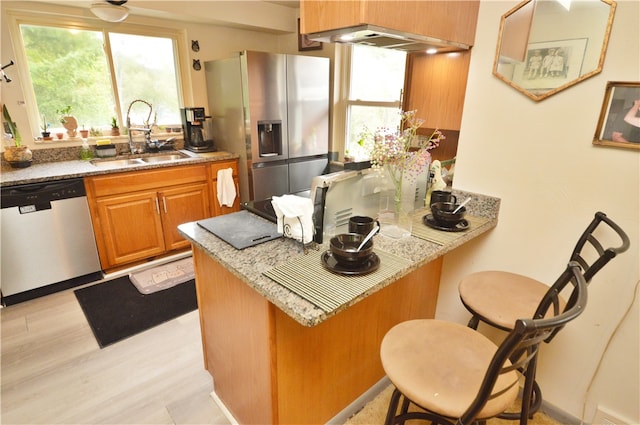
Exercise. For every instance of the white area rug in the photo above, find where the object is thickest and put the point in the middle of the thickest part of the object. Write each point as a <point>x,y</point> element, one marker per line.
<point>162,277</point>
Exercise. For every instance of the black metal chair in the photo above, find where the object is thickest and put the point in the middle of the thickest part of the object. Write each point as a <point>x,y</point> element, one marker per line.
<point>499,298</point>
<point>448,373</point>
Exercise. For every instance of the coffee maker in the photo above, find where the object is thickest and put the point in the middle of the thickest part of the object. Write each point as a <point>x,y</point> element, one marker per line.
<point>196,138</point>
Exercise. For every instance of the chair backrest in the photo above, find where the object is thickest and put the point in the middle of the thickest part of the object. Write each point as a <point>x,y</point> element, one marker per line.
<point>518,351</point>
<point>591,256</point>
<point>590,253</point>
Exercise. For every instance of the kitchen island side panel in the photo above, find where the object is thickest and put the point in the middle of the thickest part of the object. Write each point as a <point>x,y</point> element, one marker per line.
<point>324,368</point>
<point>267,368</point>
<point>236,326</point>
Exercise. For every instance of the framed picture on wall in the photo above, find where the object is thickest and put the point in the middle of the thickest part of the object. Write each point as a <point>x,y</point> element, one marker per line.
<point>550,64</point>
<point>305,44</point>
<point>619,123</point>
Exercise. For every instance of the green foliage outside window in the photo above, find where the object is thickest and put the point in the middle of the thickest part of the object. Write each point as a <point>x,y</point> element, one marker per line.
<point>69,67</point>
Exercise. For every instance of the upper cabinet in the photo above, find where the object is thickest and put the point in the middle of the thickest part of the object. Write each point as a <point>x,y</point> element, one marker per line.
<point>436,85</point>
<point>440,23</point>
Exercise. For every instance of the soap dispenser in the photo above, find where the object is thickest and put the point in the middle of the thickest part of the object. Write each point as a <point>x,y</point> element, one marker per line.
<point>437,182</point>
<point>85,151</point>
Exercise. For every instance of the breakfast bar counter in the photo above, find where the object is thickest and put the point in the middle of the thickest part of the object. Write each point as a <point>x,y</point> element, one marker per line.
<point>279,355</point>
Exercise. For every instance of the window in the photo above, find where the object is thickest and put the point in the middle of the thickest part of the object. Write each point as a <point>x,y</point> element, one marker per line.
<point>99,73</point>
<point>376,80</point>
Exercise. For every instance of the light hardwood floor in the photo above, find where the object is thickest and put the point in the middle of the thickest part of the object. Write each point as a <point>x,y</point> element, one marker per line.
<point>53,372</point>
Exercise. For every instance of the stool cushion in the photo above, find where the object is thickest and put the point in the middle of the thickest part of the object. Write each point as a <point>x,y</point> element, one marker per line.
<point>500,298</point>
<point>440,366</point>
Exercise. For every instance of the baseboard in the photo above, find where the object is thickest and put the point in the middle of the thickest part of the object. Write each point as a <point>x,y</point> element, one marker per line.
<point>360,402</point>
<point>558,414</point>
<point>224,409</point>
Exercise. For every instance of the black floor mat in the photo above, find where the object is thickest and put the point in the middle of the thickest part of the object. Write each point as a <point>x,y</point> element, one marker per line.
<point>116,310</point>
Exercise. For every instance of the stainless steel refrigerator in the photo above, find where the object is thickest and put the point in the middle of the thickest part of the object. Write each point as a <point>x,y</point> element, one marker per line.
<point>273,110</point>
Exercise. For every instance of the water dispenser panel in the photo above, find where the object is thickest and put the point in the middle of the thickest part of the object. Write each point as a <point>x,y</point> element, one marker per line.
<point>270,138</point>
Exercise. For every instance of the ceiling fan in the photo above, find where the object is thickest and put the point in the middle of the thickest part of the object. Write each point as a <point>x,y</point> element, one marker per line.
<point>110,10</point>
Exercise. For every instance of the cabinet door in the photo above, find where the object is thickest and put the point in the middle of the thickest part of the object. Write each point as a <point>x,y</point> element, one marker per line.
<point>436,85</point>
<point>179,205</point>
<point>223,209</point>
<point>131,228</point>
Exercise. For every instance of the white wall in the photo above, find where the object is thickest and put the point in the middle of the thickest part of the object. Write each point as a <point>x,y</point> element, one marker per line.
<point>538,158</point>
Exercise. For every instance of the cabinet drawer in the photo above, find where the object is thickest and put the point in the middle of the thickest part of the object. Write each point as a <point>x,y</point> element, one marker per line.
<point>133,181</point>
<point>215,167</point>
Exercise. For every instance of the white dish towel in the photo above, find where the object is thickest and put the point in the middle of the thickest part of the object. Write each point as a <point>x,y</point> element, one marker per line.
<point>226,187</point>
<point>294,214</point>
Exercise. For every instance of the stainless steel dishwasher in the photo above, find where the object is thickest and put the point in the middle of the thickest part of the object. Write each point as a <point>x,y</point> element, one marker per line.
<point>47,241</point>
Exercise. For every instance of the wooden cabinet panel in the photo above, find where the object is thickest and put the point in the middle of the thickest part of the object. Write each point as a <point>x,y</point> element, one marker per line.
<point>179,205</point>
<point>133,181</point>
<point>130,228</point>
<point>446,20</point>
<point>223,209</point>
<point>435,86</point>
<point>316,16</point>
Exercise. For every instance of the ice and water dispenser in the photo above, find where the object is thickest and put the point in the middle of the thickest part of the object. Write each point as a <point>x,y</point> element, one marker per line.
<point>270,138</point>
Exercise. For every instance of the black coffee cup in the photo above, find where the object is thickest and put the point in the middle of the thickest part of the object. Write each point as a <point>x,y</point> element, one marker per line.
<point>362,224</point>
<point>442,196</point>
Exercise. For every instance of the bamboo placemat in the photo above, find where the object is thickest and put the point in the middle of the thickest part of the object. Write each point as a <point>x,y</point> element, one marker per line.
<point>441,237</point>
<point>307,277</point>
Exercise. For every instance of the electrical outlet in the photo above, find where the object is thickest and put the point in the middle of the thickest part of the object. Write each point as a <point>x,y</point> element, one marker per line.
<point>604,417</point>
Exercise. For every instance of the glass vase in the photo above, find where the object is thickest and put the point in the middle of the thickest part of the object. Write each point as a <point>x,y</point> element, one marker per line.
<point>397,203</point>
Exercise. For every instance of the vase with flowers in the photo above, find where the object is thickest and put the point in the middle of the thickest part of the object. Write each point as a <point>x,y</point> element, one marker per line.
<point>402,157</point>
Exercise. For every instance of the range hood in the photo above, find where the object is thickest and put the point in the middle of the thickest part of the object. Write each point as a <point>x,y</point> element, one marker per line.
<point>372,35</point>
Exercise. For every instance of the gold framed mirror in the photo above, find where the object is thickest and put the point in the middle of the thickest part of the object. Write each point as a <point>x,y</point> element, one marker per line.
<point>545,46</point>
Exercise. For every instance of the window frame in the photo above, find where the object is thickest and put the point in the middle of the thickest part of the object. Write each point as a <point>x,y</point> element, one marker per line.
<point>49,18</point>
<point>347,102</point>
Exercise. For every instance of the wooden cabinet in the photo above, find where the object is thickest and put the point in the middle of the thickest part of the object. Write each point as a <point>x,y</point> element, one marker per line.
<point>215,167</point>
<point>445,20</point>
<point>435,85</point>
<point>135,214</point>
<point>130,228</point>
<point>182,204</point>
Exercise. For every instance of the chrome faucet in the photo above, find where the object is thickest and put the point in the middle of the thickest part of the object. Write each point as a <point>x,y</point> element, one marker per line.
<point>146,129</point>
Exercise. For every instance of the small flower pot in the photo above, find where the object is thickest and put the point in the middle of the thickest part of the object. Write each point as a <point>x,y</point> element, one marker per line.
<point>59,136</point>
<point>115,131</point>
<point>18,156</point>
<point>84,133</point>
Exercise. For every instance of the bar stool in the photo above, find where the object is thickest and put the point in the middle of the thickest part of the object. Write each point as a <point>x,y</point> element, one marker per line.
<point>451,374</point>
<point>499,298</point>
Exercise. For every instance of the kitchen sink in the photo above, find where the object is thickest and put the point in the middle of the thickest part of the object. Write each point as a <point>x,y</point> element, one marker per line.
<point>123,162</point>
<point>162,158</point>
<point>109,163</point>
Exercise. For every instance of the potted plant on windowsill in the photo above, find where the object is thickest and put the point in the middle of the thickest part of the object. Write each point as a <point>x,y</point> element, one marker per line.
<point>84,133</point>
<point>68,121</point>
<point>17,155</point>
<point>46,134</point>
<point>115,130</point>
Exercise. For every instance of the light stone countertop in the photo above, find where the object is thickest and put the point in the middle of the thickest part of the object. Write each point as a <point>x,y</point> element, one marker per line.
<point>250,263</point>
<point>60,170</point>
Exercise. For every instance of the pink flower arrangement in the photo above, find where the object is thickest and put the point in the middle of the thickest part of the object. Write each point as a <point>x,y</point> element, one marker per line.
<point>401,151</point>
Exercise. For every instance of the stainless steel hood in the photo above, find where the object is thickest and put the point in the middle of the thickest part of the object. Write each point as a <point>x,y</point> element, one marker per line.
<point>388,38</point>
